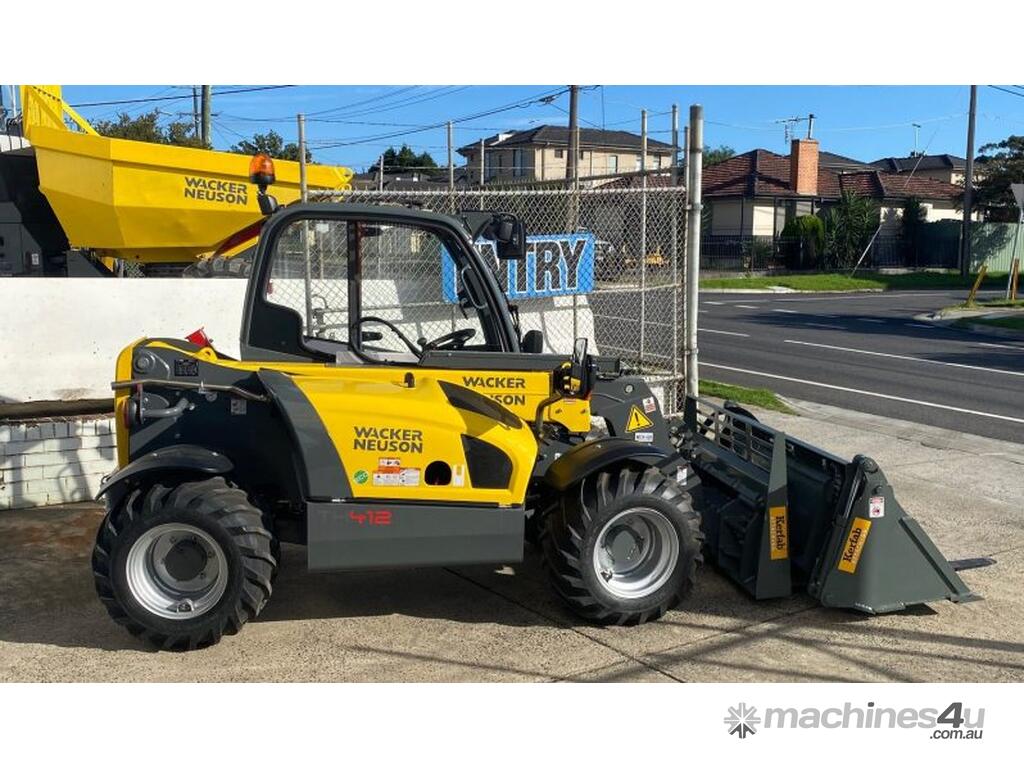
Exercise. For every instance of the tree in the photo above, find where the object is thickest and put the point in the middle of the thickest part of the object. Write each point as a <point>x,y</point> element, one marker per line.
<point>270,143</point>
<point>912,224</point>
<point>405,158</point>
<point>146,127</point>
<point>803,241</point>
<point>1000,165</point>
<point>719,154</point>
<point>849,226</point>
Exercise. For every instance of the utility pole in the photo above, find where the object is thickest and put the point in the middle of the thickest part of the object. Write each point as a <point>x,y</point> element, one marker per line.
<point>207,97</point>
<point>195,111</point>
<point>674,170</point>
<point>965,237</point>
<point>574,139</point>
<point>451,164</point>
<point>481,162</point>
<point>693,192</point>
<point>380,173</point>
<point>303,188</point>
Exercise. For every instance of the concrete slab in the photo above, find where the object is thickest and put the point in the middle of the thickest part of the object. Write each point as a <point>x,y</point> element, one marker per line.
<point>973,642</point>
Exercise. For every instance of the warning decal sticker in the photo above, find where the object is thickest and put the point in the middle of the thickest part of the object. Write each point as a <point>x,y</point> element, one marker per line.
<point>876,507</point>
<point>854,545</point>
<point>390,472</point>
<point>637,420</point>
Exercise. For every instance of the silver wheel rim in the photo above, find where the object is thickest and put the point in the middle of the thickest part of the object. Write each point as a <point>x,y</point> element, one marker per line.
<point>636,552</point>
<point>177,571</point>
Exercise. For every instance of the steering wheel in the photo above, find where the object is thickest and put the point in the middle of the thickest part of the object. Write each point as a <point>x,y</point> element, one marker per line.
<point>455,340</point>
<point>405,339</point>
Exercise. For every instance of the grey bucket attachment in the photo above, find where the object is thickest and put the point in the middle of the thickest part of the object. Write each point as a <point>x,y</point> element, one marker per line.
<point>780,515</point>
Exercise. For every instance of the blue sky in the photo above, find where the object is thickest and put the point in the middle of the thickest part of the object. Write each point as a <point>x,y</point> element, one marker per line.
<point>351,124</point>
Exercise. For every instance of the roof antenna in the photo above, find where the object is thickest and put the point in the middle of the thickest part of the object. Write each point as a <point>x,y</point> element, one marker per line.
<point>789,123</point>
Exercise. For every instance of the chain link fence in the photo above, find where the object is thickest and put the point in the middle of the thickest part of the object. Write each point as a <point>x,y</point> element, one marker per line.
<point>605,264</point>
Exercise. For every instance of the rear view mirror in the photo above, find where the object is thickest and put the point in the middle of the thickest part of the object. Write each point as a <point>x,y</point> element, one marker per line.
<point>505,230</point>
<point>510,237</point>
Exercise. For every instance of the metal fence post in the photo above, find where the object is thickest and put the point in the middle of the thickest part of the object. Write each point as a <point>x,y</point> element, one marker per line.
<point>643,235</point>
<point>695,150</point>
<point>673,405</point>
<point>574,224</point>
<point>304,195</point>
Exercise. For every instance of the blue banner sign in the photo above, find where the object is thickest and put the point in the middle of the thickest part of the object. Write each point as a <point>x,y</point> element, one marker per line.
<point>555,265</point>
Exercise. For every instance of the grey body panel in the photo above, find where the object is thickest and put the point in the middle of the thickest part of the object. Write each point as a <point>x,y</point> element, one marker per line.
<point>189,458</point>
<point>323,473</point>
<point>379,534</point>
<point>587,458</point>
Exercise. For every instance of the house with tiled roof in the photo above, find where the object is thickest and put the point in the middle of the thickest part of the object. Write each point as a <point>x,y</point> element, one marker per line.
<point>540,154</point>
<point>948,168</point>
<point>757,192</point>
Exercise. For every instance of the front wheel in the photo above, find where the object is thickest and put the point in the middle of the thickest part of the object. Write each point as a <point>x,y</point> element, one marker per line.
<point>623,546</point>
<point>182,565</point>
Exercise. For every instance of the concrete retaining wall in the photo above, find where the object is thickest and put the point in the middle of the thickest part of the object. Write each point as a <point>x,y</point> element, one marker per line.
<point>61,337</point>
<point>54,461</point>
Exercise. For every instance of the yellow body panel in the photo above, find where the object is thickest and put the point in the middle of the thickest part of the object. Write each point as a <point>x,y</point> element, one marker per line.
<point>388,434</point>
<point>529,388</point>
<point>148,202</point>
<point>122,372</point>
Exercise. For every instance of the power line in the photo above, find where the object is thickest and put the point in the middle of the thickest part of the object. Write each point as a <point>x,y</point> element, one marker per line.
<point>369,100</point>
<point>1007,90</point>
<point>539,98</point>
<point>153,99</point>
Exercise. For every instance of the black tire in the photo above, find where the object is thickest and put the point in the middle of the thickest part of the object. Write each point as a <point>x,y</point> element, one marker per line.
<point>571,532</point>
<point>222,511</point>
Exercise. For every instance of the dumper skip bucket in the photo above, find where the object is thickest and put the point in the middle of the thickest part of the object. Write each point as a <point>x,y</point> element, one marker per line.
<point>780,515</point>
<point>148,202</point>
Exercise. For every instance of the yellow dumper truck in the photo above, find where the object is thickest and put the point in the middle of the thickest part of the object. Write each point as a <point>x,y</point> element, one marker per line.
<point>71,190</point>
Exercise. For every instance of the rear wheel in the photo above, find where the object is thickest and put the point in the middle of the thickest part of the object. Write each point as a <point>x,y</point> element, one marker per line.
<point>623,546</point>
<point>182,565</point>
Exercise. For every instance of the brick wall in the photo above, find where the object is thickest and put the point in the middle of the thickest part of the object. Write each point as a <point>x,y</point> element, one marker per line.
<point>52,461</point>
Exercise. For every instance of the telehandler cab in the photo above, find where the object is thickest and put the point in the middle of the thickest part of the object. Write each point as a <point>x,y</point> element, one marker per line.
<point>337,430</point>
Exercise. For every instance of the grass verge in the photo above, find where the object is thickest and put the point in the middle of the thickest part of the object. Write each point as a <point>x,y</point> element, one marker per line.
<point>832,281</point>
<point>1015,322</point>
<point>761,398</point>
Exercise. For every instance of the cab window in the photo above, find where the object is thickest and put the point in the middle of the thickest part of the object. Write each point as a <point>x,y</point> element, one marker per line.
<point>386,290</point>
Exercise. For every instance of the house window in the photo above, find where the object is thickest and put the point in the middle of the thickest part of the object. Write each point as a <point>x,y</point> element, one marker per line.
<point>581,154</point>
<point>517,162</point>
<point>559,154</point>
<point>657,162</point>
<point>613,163</point>
<point>639,162</point>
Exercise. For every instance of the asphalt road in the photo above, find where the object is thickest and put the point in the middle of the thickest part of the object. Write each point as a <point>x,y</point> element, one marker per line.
<point>866,352</point>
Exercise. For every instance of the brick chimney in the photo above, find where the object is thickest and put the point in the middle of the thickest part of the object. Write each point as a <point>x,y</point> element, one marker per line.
<point>803,166</point>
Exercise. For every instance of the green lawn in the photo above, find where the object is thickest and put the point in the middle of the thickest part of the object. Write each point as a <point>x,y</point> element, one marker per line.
<point>1016,322</point>
<point>997,303</point>
<point>841,281</point>
<point>762,398</point>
